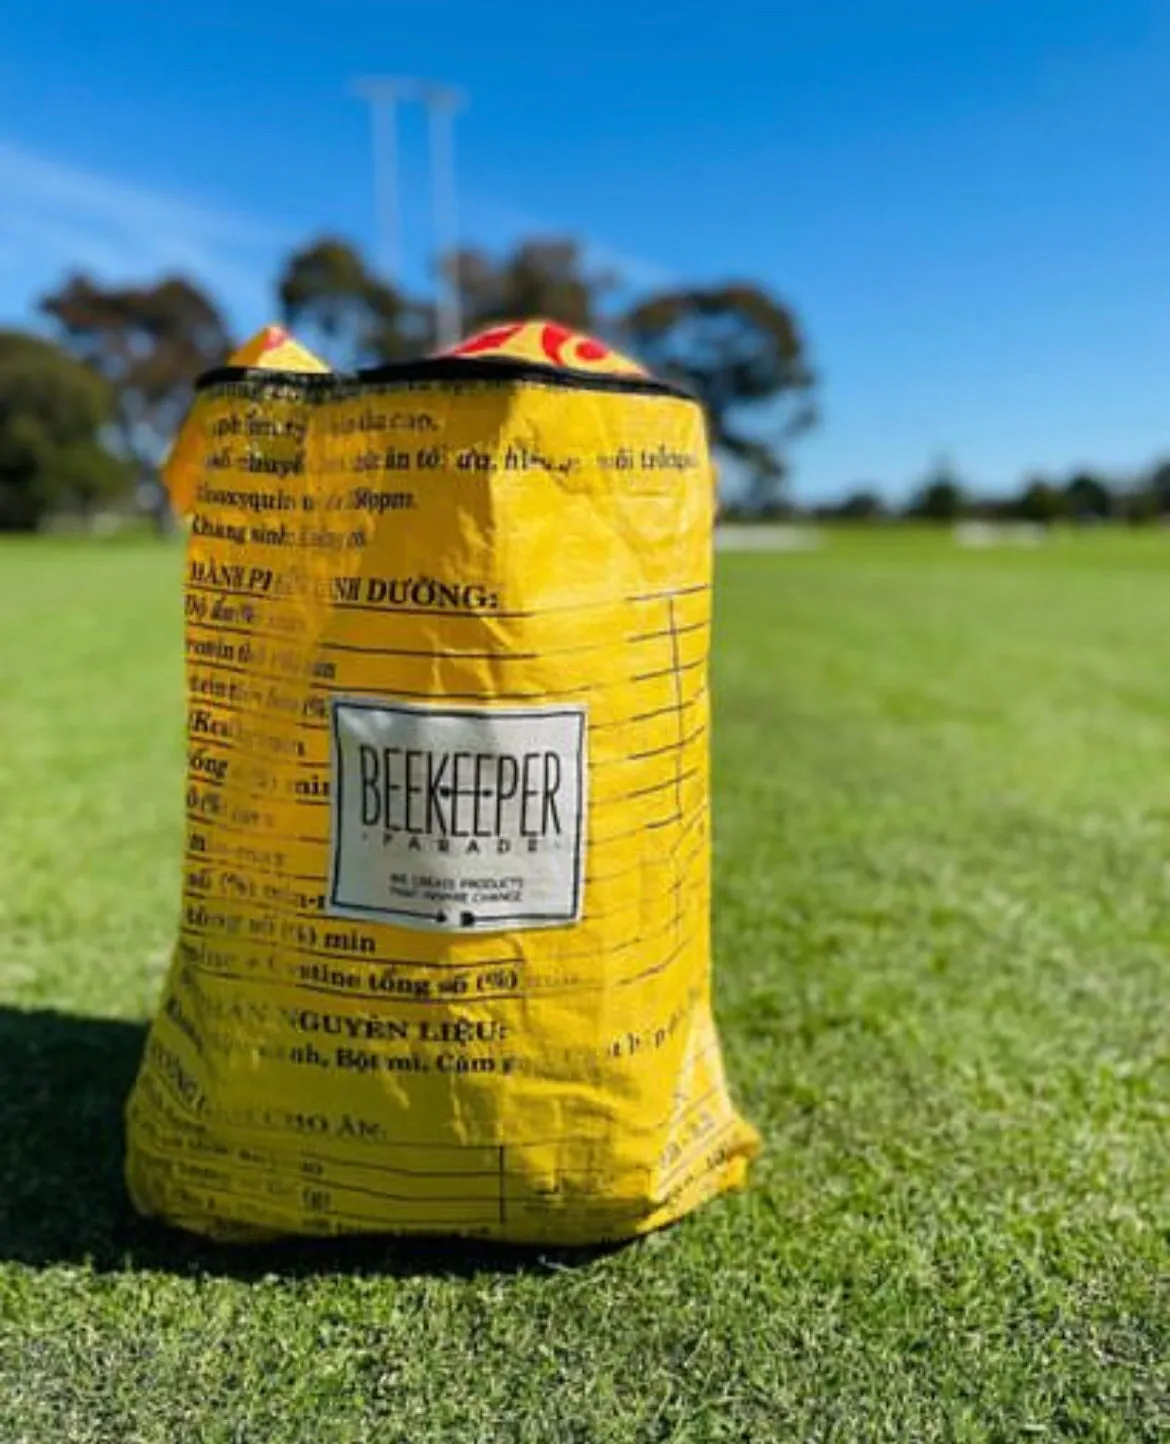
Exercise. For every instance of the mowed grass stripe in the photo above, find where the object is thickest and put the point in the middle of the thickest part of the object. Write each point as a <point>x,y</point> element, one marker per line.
<point>942,837</point>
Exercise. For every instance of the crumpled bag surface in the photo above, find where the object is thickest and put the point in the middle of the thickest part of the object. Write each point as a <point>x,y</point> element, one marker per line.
<point>443,963</point>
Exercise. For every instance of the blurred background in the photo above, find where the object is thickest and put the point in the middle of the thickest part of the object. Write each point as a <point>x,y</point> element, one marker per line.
<point>915,258</point>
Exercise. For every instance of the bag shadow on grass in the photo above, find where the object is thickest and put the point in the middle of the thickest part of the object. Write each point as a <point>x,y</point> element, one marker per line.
<point>65,1081</point>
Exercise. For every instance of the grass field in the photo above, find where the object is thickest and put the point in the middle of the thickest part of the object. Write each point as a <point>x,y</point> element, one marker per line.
<point>943,948</point>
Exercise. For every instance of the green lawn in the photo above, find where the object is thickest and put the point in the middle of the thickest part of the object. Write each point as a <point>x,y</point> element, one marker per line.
<point>943,950</point>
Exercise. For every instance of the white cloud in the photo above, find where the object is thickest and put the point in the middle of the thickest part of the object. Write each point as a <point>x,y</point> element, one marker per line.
<point>57,217</point>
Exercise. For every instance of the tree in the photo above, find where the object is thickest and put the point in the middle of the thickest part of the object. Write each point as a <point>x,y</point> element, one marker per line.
<point>1088,498</point>
<point>542,279</point>
<point>340,308</point>
<point>1139,506</point>
<point>150,343</point>
<point>858,506</point>
<point>1157,486</point>
<point>940,499</point>
<point>52,412</point>
<point>741,352</point>
<point>1040,502</point>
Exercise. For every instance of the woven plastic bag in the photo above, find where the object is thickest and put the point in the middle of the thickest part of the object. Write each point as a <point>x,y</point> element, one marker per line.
<point>443,964</point>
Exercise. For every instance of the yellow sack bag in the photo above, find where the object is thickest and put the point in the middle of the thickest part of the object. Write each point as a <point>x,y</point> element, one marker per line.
<point>444,960</point>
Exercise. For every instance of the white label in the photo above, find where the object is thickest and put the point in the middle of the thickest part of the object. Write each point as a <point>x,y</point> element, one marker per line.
<point>459,820</point>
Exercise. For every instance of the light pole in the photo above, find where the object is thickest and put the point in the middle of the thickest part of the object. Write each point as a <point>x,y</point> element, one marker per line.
<point>442,103</point>
<point>383,94</point>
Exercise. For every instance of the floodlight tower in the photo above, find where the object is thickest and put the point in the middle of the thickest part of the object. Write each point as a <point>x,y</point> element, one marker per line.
<point>383,94</point>
<point>443,102</point>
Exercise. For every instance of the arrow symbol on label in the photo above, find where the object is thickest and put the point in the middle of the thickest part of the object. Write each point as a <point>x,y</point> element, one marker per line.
<point>439,917</point>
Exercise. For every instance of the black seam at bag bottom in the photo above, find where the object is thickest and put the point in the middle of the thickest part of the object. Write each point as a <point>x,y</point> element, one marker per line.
<point>443,368</point>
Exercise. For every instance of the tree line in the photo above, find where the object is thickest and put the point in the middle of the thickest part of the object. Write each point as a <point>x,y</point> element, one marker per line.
<point>90,400</point>
<point>1083,498</point>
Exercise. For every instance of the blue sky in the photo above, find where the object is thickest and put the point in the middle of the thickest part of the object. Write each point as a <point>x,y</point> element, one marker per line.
<point>966,200</point>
